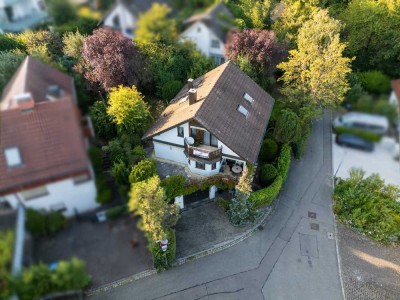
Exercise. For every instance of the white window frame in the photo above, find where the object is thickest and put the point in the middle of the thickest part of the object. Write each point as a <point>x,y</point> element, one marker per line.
<point>243,110</point>
<point>214,43</point>
<point>248,98</point>
<point>13,157</point>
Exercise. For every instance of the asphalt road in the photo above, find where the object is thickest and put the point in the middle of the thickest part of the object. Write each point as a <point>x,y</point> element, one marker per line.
<point>293,257</point>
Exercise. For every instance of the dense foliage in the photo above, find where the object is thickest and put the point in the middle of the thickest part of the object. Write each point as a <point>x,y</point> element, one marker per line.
<point>268,174</point>
<point>143,170</point>
<point>109,60</point>
<point>39,224</point>
<point>6,253</point>
<point>369,205</point>
<point>269,151</point>
<point>241,211</point>
<point>39,280</point>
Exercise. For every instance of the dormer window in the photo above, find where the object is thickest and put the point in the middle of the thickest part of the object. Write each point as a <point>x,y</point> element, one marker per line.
<point>13,157</point>
<point>248,98</point>
<point>243,111</point>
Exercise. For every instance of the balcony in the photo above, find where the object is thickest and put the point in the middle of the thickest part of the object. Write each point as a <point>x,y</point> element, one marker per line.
<point>203,152</point>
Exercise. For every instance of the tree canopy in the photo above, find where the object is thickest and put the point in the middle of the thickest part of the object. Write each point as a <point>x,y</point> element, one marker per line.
<point>110,59</point>
<point>373,35</point>
<point>317,69</point>
<point>147,199</point>
<point>128,110</point>
<point>155,26</point>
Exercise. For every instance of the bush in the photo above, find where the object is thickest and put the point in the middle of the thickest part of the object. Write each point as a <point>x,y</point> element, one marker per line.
<point>366,135</point>
<point>369,205</point>
<point>375,82</point>
<point>104,192</point>
<point>241,211</point>
<point>170,89</point>
<point>284,160</point>
<point>224,204</point>
<point>163,260</point>
<point>267,195</point>
<point>9,43</point>
<point>39,224</point>
<point>116,212</point>
<point>269,150</point>
<point>174,186</point>
<point>120,173</point>
<point>96,158</point>
<point>268,174</point>
<point>143,170</point>
<point>39,280</point>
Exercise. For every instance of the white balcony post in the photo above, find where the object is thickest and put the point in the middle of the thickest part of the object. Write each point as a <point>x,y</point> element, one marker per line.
<point>212,191</point>
<point>179,202</point>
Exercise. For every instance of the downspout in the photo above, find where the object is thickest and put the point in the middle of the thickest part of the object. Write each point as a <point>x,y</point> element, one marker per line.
<point>19,238</point>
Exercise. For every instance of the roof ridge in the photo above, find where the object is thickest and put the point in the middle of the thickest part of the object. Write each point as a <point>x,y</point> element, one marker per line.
<point>229,62</point>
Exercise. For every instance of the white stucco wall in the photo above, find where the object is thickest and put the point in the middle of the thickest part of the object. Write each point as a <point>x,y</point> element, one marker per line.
<point>171,136</point>
<point>201,36</point>
<point>23,8</point>
<point>127,20</point>
<point>168,152</point>
<point>206,172</point>
<point>81,197</point>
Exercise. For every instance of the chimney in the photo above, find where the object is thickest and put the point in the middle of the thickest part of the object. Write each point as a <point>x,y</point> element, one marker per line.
<point>190,83</point>
<point>192,96</point>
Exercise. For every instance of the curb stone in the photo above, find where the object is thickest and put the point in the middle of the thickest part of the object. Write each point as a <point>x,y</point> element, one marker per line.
<point>267,210</point>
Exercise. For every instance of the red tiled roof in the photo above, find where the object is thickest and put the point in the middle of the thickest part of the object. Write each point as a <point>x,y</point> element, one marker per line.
<point>35,77</point>
<point>49,136</point>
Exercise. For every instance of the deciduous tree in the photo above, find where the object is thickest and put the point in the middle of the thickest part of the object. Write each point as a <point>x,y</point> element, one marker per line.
<point>110,59</point>
<point>9,63</point>
<point>127,109</point>
<point>317,69</point>
<point>73,43</point>
<point>155,26</point>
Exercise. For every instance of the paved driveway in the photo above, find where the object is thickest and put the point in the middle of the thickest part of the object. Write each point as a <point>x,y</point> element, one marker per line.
<point>294,256</point>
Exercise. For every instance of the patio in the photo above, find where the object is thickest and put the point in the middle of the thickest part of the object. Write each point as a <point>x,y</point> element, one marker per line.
<point>108,248</point>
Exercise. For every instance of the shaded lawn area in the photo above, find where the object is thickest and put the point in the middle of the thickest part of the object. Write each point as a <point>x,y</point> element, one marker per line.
<point>105,247</point>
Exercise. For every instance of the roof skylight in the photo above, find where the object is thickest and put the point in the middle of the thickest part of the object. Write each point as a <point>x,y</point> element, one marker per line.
<point>13,157</point>
<point>243,111</point>
<point>248,97</point>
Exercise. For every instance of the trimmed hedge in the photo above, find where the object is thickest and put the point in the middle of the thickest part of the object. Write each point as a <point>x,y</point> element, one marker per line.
<point>284,160</point>
<point>268,174</point>
<point>267,195</point>
<point>269,151</point>
<point>366,135</point>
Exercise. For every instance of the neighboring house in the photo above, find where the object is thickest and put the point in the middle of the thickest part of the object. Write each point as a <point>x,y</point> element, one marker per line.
<point>19,15</point>
<point>215,122</point>
<point>208,31</point>
<point>124,14</point>
<point>43,154</point>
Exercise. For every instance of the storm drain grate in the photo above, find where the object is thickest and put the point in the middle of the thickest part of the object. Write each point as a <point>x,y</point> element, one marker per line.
<point>312,215</point>
<point>315,226</point>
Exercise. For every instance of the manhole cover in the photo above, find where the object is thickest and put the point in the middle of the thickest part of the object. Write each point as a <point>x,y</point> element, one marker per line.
<point>315,226</point>
<point>312,215</point>
<point>330,235</point>
<point>308,245</point>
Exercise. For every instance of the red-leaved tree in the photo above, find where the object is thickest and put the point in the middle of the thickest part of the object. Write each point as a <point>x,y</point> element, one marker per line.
<point>260,47</point>
<point>109,60</point>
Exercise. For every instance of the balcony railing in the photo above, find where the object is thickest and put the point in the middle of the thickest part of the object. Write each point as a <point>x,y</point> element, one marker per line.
<point>204,152</point>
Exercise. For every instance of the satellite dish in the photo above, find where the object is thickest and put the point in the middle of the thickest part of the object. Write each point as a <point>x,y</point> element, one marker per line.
<point>190,140</point>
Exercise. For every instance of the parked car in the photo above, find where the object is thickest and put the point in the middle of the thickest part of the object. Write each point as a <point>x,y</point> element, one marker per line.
<point>354,141</point>
<point>368,122</point>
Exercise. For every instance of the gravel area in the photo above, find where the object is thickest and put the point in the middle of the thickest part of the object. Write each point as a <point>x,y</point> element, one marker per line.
<point>370,270</point>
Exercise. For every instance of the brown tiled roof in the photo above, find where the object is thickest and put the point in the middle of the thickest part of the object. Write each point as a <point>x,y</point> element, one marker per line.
<point>396,88</point>
<point>219,93</point>
<point>49,136</point>
<point>35,77</point>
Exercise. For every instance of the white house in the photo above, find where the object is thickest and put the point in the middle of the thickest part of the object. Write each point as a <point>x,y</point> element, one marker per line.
<point>208,31</point>
<point>43,154</point>
<point>216,122</point>
<point>123,15</point>
<point>19,15</point>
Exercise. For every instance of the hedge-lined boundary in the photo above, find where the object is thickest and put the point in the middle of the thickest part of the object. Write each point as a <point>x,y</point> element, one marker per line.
<point>267,195</point>
<point>366,135</point>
